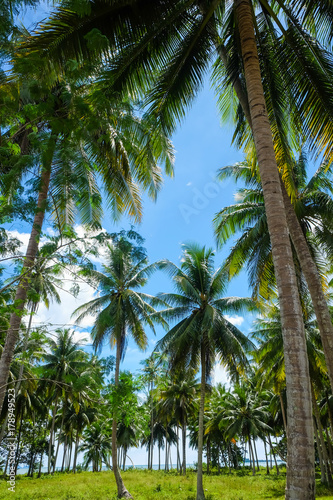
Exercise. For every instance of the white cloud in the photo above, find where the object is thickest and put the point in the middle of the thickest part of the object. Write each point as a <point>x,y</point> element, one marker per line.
<point>24,237</point>
<point>220,375</point>
<point>189,184</point>
<point>235,320</point>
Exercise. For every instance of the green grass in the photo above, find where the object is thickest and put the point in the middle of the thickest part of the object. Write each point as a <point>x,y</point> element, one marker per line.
<point>151,485</point>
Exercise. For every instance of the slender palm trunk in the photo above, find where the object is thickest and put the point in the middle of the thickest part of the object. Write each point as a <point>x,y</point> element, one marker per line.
<point>200,490</point>
<point>166,465</point>
<point>40,464</point>
<point>64,456</point>
<point>58,444</point>
<point>312,277</point>
<point>283,413</point>
<point>252,459</point>
<point>178,457</point>
<point>77,440</point>
<point>256,454</point>
<point>184,446</point>
<point>321,443</point>
<point>152,426</point>
<point>300,471</point>
<point>122,491</point>
<point>266,456</point>
<point>52,433</point>
<point>21,293</point>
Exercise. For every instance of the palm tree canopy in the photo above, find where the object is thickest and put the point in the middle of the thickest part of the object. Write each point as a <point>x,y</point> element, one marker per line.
<point>162,50</point>
<point>121,308</point>
<point>199,306</point>
<point>313,205</point>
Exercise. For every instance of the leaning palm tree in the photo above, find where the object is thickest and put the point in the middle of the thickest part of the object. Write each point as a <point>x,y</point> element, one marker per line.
<point>121,310</point>
<point>202,332</point>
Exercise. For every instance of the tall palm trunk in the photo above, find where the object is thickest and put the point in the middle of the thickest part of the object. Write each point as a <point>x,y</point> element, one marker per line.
<point>200,490</point>
<point>300,471</point>
<point>122,491</point>
<point>52,433</point>
<point>21,293</point>
<point>321,442</point>
<point>77,440</point>
<point>312,277</point>
<point>184,446</point>
<point>152,426</point>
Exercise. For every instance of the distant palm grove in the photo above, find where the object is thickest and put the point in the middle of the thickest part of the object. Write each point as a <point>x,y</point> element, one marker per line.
<point>89,100</point>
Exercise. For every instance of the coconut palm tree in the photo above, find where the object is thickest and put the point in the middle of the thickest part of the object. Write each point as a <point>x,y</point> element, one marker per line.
<point>246,415</point>
<point>76,149</point>
<point>64,360</point>
<point>178,397</point>
<point>121,310</point>
<point>202,333</point>
<point>96,445</point>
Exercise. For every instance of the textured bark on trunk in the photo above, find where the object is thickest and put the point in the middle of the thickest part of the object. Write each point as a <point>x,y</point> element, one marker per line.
<point>121,489</point>
<point>184,447</point>
<point>200,490</point>
<point>21,293</point>
<point>312,277</point>
<point>300,471</point>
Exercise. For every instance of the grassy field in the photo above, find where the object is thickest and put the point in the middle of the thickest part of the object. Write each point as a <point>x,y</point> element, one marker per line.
<point>151,485</point>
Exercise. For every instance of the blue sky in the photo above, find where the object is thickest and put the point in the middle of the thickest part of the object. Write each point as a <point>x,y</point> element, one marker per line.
<point>182,213</point>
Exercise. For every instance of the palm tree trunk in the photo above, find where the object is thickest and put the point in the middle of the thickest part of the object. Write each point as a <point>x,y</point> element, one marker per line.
<point>58,445</point>
<point>166,465</point>
<point>152,426</point>
<point>70,456</point>
<point>307,263</point>
<point>266,455</point>
<point>159,456</point>
<point>122,491</point>
<point>323,477</point>
<point>77,440</point>
<point>184,447</point>
<point>178,457</point>
<point>64,456</point>
<point>300,471</point>
<point>51,434</point>
<point>321,442</point>
<point>256,454</point>
<point>312,277</point>
<point>272,451</point>
<point>21,293</point>
<point>200,490</point>
<point>18,443</point>
<point>40,464</point>
<point>283,413</point>
<point>252,459</point>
